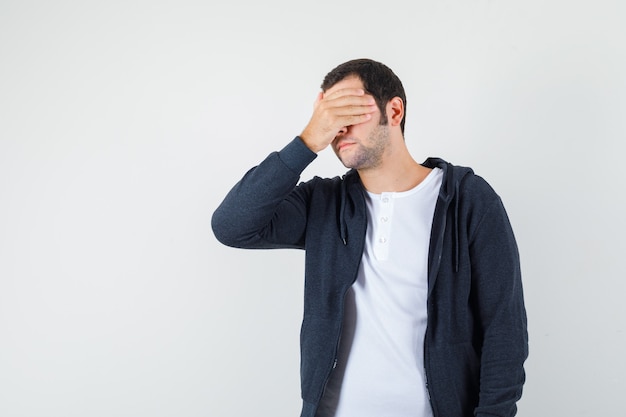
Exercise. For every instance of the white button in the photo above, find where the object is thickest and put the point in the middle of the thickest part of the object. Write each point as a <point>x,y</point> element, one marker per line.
<point>383,240</point>
<point>385,199</point>
<point>384,219</point>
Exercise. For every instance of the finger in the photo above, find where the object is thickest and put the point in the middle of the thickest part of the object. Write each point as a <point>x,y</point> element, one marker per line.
<point>353,110</point>
<point>319,98</point>
<point>351,100</point>
<point>348,103</point>
<point>345,92</point>
<point>339,112</point>
<point>356,119</point>
<point>335,115</point>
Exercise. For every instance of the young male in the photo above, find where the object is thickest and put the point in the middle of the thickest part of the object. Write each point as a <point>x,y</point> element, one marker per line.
<point>413,296</point>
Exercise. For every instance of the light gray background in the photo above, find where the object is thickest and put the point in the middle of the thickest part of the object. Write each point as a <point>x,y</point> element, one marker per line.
<point>124,123</point>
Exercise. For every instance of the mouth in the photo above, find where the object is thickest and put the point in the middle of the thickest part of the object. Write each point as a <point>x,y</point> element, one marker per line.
<point>343,145</point>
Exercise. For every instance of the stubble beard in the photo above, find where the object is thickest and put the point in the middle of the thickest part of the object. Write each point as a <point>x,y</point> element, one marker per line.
<point>370,156</point>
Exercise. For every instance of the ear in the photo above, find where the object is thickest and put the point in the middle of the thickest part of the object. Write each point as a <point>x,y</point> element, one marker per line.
<point>395,111</point>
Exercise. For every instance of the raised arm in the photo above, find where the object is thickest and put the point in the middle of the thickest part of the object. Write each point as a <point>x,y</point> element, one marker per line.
<point>266,209</point>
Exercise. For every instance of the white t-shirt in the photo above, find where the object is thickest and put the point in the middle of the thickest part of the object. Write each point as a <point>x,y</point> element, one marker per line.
<point>380,363</point>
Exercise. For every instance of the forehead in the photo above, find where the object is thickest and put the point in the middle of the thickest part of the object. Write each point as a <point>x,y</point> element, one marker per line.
<point>351,81</point>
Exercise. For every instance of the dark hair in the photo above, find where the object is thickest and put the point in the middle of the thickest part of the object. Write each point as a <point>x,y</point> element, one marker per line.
<point>378,80</point>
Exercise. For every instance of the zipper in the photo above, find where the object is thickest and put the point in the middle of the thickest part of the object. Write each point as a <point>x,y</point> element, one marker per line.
<point>343,306</point>
<point>335,354</point>
<point>434,272</point>
<point>426,374</point>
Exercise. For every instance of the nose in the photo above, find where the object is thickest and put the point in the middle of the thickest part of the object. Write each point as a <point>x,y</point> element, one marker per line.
<point>342,131</point>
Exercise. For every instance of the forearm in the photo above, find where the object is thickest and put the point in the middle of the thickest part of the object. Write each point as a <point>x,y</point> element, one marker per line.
<point>264,210</point>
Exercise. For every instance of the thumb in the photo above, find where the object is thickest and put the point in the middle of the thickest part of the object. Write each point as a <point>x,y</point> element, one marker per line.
<point>319,98</point>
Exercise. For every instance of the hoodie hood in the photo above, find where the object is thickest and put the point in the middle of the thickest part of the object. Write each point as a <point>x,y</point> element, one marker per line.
<point>351,188</point>
<point>448,198</point>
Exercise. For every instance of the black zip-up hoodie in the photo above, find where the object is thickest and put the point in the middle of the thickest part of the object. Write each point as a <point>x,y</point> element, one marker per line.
<point>476,339</point>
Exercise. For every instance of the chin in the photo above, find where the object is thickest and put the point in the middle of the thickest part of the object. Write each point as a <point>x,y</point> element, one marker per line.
<point>347,162</point>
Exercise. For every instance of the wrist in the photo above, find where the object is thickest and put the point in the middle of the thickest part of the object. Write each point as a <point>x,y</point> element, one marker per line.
<point>312,145</point>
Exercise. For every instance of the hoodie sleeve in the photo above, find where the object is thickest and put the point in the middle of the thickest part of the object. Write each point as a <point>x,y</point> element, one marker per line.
<point>499,302</point>
<point>266,209</point>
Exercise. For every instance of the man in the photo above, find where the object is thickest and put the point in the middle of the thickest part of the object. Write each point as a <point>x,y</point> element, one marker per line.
<point>413,297</point>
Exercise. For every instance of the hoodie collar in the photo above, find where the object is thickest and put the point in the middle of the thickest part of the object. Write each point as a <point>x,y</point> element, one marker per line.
<point>450,193</point>
<point>352,188</point>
